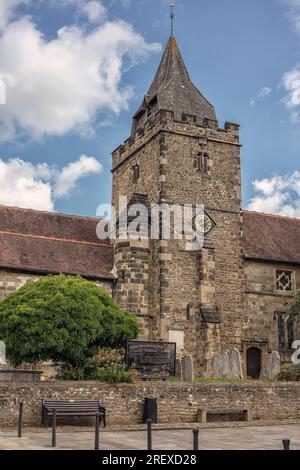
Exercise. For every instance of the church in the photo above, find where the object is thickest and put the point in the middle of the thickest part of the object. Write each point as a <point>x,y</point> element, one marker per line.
<point>231,293</point>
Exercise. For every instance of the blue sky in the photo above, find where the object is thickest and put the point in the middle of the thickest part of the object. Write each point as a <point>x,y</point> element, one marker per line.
<point>71,94</point>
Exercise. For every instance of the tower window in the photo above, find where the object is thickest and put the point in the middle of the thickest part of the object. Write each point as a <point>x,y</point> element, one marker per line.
<point>188,312</point>
<point>135,174</point>
<point>202,162</point>
<point>284,281</point>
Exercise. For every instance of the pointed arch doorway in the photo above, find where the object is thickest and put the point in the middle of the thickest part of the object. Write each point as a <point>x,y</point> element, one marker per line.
<point>253,363</point>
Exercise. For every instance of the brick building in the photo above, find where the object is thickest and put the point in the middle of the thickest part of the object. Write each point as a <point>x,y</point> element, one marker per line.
<point>233,292</point>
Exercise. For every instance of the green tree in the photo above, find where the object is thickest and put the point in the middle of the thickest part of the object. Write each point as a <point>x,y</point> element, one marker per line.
<point>294,311</point>
<point>64,319</point>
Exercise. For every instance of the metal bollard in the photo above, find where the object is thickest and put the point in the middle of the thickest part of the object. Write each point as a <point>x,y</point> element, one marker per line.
<point>20,424</point>
<point>97,432</point>
<point>286,444</point>
<point>196,439</point>
<point>149,433</point>
<point>54,428</point>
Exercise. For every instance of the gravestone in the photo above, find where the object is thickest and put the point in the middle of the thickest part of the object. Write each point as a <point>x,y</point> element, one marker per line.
<point>274,364</point>
<point>264,375</point>
<point>179,368</point>
<point>187,369</point>
<point>236,364</point>
<point>217,365</point>
<point>226,365</point>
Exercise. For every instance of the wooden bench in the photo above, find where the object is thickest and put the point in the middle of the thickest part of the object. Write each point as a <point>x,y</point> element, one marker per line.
<point>203,413</point>
<point>72,408</point>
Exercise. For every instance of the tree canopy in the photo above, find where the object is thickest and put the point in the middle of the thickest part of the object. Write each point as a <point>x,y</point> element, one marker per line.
<point>64,319</point>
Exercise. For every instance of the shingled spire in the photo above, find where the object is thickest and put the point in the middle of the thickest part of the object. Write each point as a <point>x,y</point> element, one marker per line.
<point>173,90</point>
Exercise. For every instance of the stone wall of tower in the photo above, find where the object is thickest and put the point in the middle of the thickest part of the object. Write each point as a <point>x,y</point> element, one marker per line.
<point>179,281</point>
<point>216,275</point>
<point>136,263</point>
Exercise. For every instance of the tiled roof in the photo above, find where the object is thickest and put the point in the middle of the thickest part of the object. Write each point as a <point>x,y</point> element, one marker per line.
<point>48,242</point>
<point>271,237</point>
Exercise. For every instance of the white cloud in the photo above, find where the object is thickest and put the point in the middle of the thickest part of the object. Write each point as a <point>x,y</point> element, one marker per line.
<point>7,10</point>
<point>70,174</point>
<point>262,93</point>
<point>291,83</point>
<point>293,12</point>
<point>277,195</point>
<point>58,86</point>
<point>24,184</point>
<point>94,11</point>
<point>291,79</point>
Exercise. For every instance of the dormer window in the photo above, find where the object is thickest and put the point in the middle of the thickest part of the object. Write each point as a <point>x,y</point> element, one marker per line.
<point>135,174</point>
<point>202,162</point>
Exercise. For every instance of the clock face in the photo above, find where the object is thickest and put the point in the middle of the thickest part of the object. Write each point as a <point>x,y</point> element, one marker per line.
<point>203,224</point>
<point>207,224</point>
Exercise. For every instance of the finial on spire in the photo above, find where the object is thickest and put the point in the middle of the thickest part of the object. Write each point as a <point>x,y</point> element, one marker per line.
<point>172,17</point>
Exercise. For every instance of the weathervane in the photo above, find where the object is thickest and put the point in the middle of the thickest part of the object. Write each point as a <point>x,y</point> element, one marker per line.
<point>172,17</point>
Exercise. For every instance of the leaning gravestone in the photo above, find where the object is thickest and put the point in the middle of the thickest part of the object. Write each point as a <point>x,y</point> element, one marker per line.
<point>235,364</point>
<point>217,365</point>
<point>274,364</point>
<point>187,369</point>
<point>226,365</point>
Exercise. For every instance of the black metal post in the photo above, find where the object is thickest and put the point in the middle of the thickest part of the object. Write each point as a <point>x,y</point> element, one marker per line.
<point>97,432</point>
<point>54,428</point>
<point>20,424</point>
<point>196,439</point>
<point>286,444</point>
<point>149,433</point>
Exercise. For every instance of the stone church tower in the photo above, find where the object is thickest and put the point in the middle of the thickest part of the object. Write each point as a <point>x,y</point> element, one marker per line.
<point>177,154</point>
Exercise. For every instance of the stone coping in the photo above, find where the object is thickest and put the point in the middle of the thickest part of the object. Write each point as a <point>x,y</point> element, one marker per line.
<point>150,384</point>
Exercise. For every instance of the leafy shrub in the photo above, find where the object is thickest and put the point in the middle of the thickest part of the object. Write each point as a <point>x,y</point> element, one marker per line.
<point>64,319</point>
<point>289,373</point>
<point>106,366</point>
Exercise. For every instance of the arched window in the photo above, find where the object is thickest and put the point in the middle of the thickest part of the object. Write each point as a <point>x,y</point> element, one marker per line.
<point>202,162</point>
<point>135,174</point>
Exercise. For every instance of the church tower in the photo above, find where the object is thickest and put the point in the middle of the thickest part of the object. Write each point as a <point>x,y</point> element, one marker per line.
<point>177,154</point>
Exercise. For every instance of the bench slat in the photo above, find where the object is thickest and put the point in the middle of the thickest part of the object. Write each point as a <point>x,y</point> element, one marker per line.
<point>72,408</point>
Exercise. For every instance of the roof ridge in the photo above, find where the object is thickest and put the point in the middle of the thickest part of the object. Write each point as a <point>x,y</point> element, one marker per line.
<point>67,240</point>
<point>60,214</point>
<point>275,216</point>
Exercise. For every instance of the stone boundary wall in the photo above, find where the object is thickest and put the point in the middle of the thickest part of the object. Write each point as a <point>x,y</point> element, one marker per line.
<point>177,402</point>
